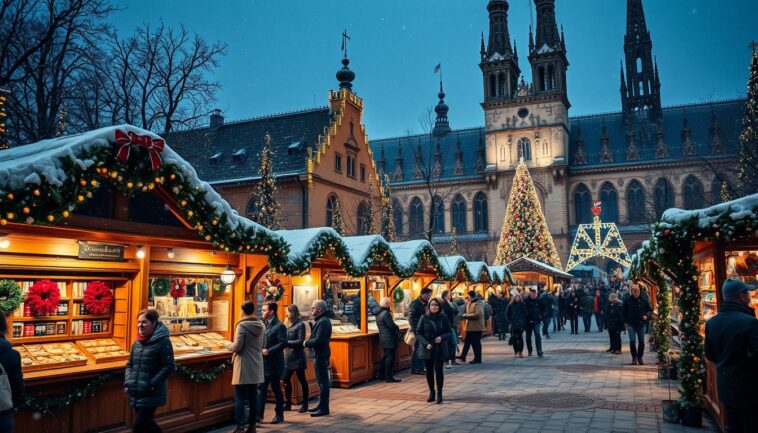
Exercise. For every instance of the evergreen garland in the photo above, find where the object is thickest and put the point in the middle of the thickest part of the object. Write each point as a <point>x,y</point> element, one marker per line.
<point>748,156</point>
<point>48,406</point>
<point>206,376</point>
<point>268,209</point>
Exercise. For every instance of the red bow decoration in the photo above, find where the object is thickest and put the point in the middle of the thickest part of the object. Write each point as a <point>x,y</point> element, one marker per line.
<point>154,146</point>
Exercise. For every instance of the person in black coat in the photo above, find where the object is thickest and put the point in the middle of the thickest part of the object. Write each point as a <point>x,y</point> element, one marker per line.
<point>499,305</point>
<point>731,342</point>
<point>150,363</point>
<point>273,362</point>
<point>321,334</point>
<point>389,334</point>
<point>534,316</point>
<point>294,358</point>
<point>572,311</point>
<point>614,322</point>
<point>11,363</point>
<point>432,332</point>
<point>417,311</point>
<point>516,313</point>
<point>636,313</point>
<point>451,312</point>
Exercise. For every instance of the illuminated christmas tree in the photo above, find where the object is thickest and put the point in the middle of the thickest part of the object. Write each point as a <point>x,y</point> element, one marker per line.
<point>388,219</point>
<point>525,231</point>
<point>338,224</point>
<point>371,228</point>
<point>453,243</point>
<point>748,163</point>
<point>3,116</point>
<point>268,209</point>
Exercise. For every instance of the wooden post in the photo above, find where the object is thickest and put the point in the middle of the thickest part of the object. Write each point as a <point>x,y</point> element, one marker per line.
<point>364,305</point>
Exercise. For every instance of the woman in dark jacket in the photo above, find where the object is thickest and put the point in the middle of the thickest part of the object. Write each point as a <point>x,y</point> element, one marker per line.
<point>294,358</point>
<point>451,312</point>
<point>516,314</point>
<point>147,370</point>
<point>572,305</point>
<point>614,321</point>
<point>433,332</point>
<point>11,363</point>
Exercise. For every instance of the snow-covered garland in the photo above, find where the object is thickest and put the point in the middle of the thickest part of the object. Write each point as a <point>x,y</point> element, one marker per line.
<point>675,236</point>
<point>51,190</point>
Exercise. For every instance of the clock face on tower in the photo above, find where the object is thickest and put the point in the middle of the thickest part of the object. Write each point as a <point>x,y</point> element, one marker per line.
<point>523,112</point>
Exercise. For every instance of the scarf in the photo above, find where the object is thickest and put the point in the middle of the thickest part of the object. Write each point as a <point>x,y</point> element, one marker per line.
<point>144,338</point>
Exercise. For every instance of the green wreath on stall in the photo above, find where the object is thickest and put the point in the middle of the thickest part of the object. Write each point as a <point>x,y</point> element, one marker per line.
<point>10,296</point>
<point>161,286</point>
<point>218,286</point>
<point>398,295</point>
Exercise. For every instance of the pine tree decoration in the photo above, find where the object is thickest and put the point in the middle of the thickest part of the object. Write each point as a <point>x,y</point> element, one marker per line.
<point>388,218</point>
<point>748,163</point>
<point>268,209</point>
<point>60,127</point>
<point>453,243</point>
<point>3,116</point>
<point>338,224</point>
<point>725,195</point>
<point>371,228</point>
<point>525,231</point>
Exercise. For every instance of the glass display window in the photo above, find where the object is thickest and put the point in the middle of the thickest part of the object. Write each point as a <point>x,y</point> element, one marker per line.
<point>190,303</point>
<point>704,264</point>
<point>743,266</point>
<point>342,295</point>
<point>402,296</point>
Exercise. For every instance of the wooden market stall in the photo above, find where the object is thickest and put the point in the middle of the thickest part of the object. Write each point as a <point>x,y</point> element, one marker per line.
<point>699,249</point>
<point>352,274</point>
<point>532,273</point>
<point>103,236</point>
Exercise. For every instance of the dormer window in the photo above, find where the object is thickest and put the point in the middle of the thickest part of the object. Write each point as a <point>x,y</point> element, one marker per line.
<point>216,158</point>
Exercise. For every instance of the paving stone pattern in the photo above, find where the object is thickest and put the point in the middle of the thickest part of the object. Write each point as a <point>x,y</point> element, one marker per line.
<point>575,388</point>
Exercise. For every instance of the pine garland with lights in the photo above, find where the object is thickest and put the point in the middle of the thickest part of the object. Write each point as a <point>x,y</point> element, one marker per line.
<point>748,155</point>
<point>268,210</point>
<point>338,224</point>
<point>49,406</point>
<point>389,231</point>
<point>674,241</point>
<point>525,232</point>
<point>203,376</point>
<point>453,242</point>
<point>44,203</point>
<point>645,266</point>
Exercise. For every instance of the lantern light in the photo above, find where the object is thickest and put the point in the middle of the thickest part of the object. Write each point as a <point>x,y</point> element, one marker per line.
<point>228,276</point>
<point>140,253</point>
<point>4,242</point>
<point>171,254</point>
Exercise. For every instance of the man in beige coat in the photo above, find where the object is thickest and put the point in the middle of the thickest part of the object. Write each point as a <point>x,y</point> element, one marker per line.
<point>247,362</point>
<point>474,316</point>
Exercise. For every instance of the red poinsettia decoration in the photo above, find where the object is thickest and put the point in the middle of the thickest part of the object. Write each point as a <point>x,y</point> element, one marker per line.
<point>97,298</point>
<point>43,298</point>
<point>177,288</point>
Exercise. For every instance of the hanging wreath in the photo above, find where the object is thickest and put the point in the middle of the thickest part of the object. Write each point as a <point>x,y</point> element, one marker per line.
<point>398,295</point>
<point>272,289</point>
<point>43,298</point>
<point>178,288</point>
<point>161,286</point>
<point>218,286</point>
<point>10,296</point>
<point>97,298</point>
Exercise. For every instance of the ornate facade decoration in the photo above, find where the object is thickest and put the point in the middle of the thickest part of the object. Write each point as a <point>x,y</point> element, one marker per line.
<point>418,169</point>
<point>632,150</point>
<point>480,163</point>
<point>688,148</point>
<point>458,168</point>
<point>580,156</point>
<point>714,132</point>
<point>661,150</point>
<point>606,156</point>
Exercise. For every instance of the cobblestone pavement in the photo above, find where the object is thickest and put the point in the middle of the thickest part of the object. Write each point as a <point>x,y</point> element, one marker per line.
<point>575,388</point>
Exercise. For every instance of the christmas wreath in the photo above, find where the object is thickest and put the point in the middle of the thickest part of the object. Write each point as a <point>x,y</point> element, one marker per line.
<point>97,298</point>
<point>177,288</point>
<point>10,296</point>
<point>43,298</point>
<point>272,289</point>
<point>218,286</point>
<point>161,286</point>
<point>398,295</point>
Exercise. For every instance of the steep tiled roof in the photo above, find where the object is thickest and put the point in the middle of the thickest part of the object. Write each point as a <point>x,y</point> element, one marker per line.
<point>230,152</point>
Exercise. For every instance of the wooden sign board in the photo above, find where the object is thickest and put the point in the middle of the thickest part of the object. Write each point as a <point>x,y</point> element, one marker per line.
<point>89,251</point>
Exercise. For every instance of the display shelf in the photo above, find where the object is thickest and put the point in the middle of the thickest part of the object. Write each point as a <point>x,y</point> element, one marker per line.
<point>203,316</point>
<point>41,318</point>
<point>56,338</point>
<point>91,317</point>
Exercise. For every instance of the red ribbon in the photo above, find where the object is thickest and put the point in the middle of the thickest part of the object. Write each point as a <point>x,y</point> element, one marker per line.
<point>154,146</point>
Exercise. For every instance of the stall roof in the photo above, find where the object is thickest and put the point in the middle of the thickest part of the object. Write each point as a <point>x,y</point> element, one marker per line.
<point>452,265</point>
<point>740,209</point>
<point>59,174</point>
<point>501,273</point>
<point>529,264</point>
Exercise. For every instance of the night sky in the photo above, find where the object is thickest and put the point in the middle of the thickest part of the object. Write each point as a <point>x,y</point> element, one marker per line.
<point>283,54</point>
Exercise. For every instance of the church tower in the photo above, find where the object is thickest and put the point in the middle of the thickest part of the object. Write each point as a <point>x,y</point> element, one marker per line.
<point>641,88</point>
<point>525,120</point>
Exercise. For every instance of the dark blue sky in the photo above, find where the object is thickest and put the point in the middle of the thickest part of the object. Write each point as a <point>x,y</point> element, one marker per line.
<point>283,54</point>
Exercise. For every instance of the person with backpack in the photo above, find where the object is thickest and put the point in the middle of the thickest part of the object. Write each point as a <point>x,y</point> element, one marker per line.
<point>11,378</point>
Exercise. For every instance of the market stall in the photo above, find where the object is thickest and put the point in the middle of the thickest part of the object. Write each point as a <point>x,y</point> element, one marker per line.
<point>95,227</point>
<point>699,249</point>
<point>531,273</point>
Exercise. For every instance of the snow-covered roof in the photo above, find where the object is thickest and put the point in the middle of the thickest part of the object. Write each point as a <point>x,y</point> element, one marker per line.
<point>478,270</point>
<point>451,265</point>
<point>61,164</point>
<point>527,263</point>
<point>739,209</point>
<point>501,273</point>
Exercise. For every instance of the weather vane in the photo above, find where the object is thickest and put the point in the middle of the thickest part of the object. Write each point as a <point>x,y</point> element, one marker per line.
<point>345,38</point>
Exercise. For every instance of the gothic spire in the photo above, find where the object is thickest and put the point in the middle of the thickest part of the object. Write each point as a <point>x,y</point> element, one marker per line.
<point>500,40</point>
<point>547,28</point>
<point>642,95</point>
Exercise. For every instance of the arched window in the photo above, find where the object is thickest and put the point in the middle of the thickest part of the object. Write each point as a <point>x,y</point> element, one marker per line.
<point>501,85</point>
<point>416,219</point>
<point>397,215</point>
<point>693,193</point>
<point>493,85</point>
<point>582,205</point>
<point>551,77</point>
<point>635,202</point>
<point>639,64</point>
<point>610,205</point>
<point>252,208</point>
<point>331,204</point>
<point>524,149</point>
<point>541,73</point>
<point>362,219</point>
<point>458,210</point>
<point>481,215</point>
<point>664,196</point>
<point>438,207</point>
